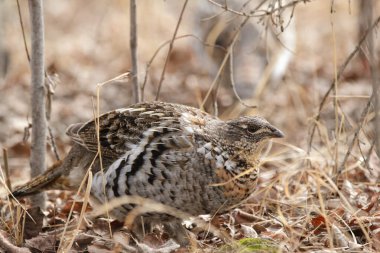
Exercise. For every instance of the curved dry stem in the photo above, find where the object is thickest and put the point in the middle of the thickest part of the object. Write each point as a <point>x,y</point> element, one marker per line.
<point>256,12</point>
<point>150,206</point>
<point>332,85</point>
<point>170,50</point>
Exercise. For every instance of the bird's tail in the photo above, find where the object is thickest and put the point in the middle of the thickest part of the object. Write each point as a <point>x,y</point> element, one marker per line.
<point>40,183</point>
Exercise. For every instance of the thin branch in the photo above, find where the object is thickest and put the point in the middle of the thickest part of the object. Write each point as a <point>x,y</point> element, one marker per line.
<point>367,158</point>
<point>234,85</point>
<point>38,154</point>
<point>215,99</point>
<point>256,12</point>
<point>53,144</point>
<point>6,170</point>
<point>332,85</point>
<point>170,50</point>
<point>356,134</point>
<point>148,65</point>
<point>48,85</point>
<point>23,30</point>
<point>133,46</point>
<point>228,53</point>
<point>374,67</point>
<point>335,99</point>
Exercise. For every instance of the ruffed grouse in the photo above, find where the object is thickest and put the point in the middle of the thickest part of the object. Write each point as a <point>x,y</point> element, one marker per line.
<point>170,153</point>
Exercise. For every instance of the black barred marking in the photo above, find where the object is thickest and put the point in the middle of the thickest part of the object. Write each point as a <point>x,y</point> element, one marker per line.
<point>137,163</point>
<point>155,134</point>
<point>161,148</point>
<point>103,137</point>
<point>172,142</point>
<point>172,195</point>
<point>129,207</point>
<point>165,175</point>
<point>115,187</point>
<point>151,177</point>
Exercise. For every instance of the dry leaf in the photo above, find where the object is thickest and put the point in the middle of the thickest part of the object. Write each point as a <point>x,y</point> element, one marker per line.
<point>43,243</point>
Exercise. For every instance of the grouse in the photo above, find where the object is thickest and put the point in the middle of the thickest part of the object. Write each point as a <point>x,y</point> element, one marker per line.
<point>177,155</point>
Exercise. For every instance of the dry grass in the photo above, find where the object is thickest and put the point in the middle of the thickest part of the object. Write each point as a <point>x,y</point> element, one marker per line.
<point>314,193</point>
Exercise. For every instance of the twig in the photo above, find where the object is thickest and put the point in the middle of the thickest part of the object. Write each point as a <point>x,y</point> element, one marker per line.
<point>7,180</point>
<point>374,65</point>
<point>49,84</point>
<point>133,46</point>
<point>53,144</point>
<point>170,50</point>
<point>148,65</point>
<point>68,246</point>
<point>122,77</point>
<point>38,154</point>
<point>366,158</point>
<point>63,239</point>
<point>228,53</point>
<point>335,99</point>
<point>356,134</point>
<point>340,72</point>
<point>215,100</point>
<point>23,31</point>
<point>234,85</point>
<point>6,170</point>
<point>49,88</point>
<point>254,12</point>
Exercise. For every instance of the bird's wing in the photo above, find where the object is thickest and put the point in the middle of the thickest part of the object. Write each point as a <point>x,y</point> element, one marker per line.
<point>123,129</point>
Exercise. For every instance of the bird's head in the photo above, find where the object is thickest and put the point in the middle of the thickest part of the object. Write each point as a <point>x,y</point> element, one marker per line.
<point>248,134</point>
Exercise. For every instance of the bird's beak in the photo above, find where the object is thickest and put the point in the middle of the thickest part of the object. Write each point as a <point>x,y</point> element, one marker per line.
<point>276,133</point>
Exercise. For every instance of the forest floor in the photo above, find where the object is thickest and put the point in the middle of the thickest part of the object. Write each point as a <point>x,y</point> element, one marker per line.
<point>319,187</point>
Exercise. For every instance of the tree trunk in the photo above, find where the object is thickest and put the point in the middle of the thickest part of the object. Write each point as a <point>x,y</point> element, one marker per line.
<point>37,159</point>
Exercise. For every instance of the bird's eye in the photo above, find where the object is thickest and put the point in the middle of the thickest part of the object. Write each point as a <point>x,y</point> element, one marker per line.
<point>253,128</point>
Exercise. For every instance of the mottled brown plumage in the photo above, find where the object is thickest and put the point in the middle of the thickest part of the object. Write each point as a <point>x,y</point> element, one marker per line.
<point>174,154</point>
